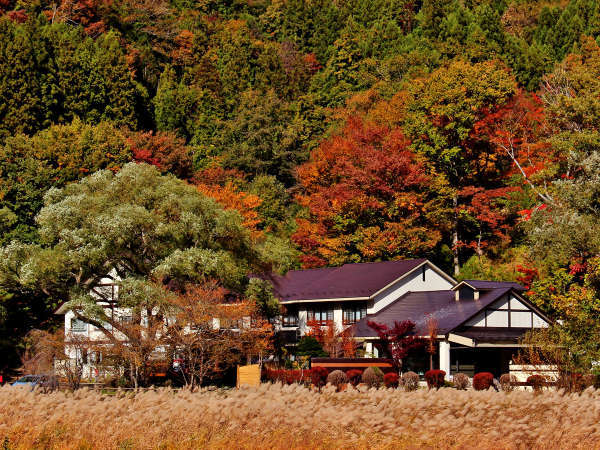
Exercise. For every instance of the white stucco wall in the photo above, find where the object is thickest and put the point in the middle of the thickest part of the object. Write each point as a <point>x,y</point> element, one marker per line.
<point>521,318</point>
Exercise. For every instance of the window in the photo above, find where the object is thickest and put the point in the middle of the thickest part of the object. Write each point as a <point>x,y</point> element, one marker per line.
<point>78,325</point>
<point>106,292</point>
<point>466,293</point>
<point>322,315</point>
<point>227,323</point>
<point>126,319</point>
<point>290,317</point>
<point>353,312</point>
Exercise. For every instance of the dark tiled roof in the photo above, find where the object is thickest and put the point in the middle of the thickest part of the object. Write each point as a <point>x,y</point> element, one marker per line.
<point>417,306</point>
<point>347,281</point>
<point>483,285</point>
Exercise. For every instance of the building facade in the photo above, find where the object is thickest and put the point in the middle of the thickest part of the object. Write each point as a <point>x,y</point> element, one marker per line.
<point>479,323</point>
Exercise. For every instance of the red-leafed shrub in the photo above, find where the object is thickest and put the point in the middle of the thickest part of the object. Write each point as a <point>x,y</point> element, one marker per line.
<point>536,382</point>
<point>286,376</point>
<point>319,376</point>
<point>354,376</point>
<point>391,380</point>
<point>482,381</point>
<point>435,378</point>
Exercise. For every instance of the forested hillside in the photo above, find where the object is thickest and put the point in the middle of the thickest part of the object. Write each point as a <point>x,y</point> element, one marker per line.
<point>464,131</point>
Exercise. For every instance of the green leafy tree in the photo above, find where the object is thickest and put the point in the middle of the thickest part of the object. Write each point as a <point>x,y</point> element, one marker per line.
<point>52,73</point>
<point>26,79</point>
<point>265,136</point>
<point>193,112</point>
<point>442,111</point>
<point>93,78</point>
<point>310,346</point>
<point>143,230</point>
<point>29,166</point>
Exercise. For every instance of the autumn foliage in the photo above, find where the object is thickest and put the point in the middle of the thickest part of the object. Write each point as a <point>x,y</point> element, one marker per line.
<point>164,150</point>
<point>367,195</point>
<point>390,380</point>
<point>483,381</point>
<point>435,378</point>
<point>397,341</point>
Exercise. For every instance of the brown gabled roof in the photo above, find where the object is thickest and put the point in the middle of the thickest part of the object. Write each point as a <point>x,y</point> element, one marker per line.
<point>418,306</point>
<point>360,280</point>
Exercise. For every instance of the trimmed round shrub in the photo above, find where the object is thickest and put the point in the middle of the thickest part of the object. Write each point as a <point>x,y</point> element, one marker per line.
<point>435,378</point>
<point>354,376</point>
<point>410,381</point>
<point>536,382</point>
<point>507,382</point>
<point>574,382</point>
<point>372,377</point>
<point>391,380</point>
<point>589,380</point>
<point>461,381</point>
<point>337,378</point>
<point>318,376</point>
<point>483,381</point>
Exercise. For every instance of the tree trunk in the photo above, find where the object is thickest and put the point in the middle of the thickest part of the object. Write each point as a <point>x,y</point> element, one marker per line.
<point>456,261</point>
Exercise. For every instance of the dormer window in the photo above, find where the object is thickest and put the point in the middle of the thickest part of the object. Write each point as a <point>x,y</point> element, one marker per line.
<point>464,291</point>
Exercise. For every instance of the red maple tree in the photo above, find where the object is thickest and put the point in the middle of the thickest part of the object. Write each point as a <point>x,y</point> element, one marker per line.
<point>399,341</point>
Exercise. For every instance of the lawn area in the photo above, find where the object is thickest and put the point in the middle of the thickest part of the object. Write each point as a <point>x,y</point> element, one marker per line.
<point>274,416</point>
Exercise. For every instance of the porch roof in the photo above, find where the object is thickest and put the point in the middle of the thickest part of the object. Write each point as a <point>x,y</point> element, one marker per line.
<point>492,335</point>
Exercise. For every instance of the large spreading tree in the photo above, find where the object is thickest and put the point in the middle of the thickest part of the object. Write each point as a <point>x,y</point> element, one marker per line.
<point>150,234</point>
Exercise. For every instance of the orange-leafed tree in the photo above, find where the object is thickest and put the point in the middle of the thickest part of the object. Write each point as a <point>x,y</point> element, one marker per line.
<point>224,185</point>
<point>210,332</point>
<point>335,342</point>
<point>432,332</point>
<point>164,150</point>
<point>368,197</point>
<point>518,133</point>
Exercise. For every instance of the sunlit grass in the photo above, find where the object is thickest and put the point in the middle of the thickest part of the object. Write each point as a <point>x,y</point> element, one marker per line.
<point>274,416</point>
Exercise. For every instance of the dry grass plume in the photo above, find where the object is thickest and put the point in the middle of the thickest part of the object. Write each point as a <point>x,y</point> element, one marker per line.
<point>274,416</point>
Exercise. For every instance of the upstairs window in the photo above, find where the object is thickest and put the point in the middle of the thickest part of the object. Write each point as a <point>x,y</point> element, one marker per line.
<point>320,315</point>
<point>353,312</point>
<point>290,317</point>
<point>78,325</point>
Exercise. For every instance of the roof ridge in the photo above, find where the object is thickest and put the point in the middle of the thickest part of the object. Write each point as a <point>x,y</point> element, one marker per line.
<point>382,262</point>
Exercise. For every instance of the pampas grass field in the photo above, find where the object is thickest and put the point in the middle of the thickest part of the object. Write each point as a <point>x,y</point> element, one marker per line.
<point>275,416</point>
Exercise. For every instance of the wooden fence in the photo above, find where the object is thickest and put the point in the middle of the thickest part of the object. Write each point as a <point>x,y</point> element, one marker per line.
<point>248,375</point>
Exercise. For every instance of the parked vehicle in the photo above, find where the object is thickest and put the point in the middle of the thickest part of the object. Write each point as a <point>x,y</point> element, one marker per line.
<point>45,382</point>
